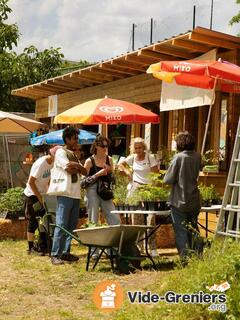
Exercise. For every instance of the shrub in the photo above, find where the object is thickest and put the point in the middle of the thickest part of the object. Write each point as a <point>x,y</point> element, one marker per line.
<point>12,200</point>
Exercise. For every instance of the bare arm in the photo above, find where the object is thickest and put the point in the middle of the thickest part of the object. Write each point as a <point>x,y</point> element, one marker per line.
<point>34,188</point>
<point>123,167</point>
<point>88,166</point>
<point>155,169</point>
<point>74,167</point>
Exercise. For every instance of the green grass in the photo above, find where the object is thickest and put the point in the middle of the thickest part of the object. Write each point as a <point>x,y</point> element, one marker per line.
<point>32,288</point>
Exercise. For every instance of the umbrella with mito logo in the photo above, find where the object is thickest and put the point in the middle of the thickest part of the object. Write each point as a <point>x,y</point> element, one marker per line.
<point>106,111</point>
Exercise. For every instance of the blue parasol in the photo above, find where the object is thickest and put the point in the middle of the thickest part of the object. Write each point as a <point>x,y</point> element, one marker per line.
<point>55,137</point>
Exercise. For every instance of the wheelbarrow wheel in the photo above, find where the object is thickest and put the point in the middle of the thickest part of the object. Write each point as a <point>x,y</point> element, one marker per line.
<point>132,251</point>
<point>125,265</point>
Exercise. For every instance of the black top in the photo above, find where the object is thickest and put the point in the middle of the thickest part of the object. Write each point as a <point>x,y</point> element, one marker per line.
<point>94,169</point>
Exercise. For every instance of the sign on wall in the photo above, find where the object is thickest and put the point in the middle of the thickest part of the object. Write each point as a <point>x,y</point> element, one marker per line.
<point>52,105</point>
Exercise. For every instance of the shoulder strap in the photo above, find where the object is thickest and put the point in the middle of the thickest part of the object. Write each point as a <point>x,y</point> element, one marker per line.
<point>71,156</point>
<point>149,162</point>
<point>93,164</point>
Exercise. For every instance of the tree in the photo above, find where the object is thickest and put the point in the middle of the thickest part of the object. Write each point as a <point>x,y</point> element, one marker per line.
<point>236,18</point>
<point>29,67</point>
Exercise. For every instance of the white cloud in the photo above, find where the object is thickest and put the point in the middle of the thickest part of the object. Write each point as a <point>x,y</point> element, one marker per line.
<point>96,30</point>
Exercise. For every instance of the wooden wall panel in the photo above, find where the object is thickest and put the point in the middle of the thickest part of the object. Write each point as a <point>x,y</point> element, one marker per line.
<point>137,89</point>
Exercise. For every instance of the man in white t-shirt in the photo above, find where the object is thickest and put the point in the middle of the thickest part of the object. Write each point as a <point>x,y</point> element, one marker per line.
<point>37,185</point>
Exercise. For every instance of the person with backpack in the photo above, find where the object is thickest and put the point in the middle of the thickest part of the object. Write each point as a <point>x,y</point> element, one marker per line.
<point>37,185</point>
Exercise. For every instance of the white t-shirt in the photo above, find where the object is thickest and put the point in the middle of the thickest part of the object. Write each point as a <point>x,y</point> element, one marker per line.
<point>41,171</point>
<point>61,161</point>
<point>141,169</point>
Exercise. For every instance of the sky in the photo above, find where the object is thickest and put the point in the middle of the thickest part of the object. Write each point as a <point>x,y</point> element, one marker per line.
<point>97,30</point>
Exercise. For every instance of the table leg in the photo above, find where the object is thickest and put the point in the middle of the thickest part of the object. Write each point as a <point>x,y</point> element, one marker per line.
<point>206,224</point>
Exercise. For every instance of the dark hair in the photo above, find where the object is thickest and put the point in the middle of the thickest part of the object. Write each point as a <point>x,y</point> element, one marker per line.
<point>69,132</point>
<point>100,139</point>
<point>185,141</point>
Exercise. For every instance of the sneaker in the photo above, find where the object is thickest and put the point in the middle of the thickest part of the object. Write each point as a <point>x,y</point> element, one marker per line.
<point>32,251</point>
<point>69,257</point>
<point>95,256</point>
<point>154,253</point>
<point>56,260</point>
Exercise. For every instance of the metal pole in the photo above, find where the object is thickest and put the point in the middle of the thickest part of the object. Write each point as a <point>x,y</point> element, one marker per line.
<point>9,162</point>
<point>133,31</point>
<point>5,160</point>
<point>151,31</point>
<point>194,16</point>
<point>208,118</point>
<point>211,18</point>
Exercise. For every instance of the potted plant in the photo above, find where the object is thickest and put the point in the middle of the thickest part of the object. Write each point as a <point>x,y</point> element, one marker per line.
<point>12,203</point>
<point>120,190</point>
<point>165,156</point>
<point>210,161</point>
<point>207,193</point>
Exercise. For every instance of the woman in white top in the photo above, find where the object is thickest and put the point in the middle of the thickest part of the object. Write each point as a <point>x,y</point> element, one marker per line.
<point>142,164</point>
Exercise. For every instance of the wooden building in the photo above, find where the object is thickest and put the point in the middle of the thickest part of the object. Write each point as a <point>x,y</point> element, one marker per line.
<point>124,77</point>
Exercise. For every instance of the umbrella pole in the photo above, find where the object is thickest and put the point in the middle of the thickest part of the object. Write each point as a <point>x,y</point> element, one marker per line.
<point>5,160</point>
<point>208,118</point>
<point>9,162</point>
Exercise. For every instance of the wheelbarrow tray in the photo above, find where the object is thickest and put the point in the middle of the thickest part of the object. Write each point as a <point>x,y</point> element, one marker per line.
<point>109,236</point>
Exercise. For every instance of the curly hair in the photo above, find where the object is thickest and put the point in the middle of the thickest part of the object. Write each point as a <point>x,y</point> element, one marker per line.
<point>185,141</point>
<point>69,132</point>
<point>135,141</point>
<point>100,139</point>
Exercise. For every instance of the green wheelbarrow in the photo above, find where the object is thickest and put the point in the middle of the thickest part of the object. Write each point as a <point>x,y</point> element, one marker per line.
<point>119,242</point>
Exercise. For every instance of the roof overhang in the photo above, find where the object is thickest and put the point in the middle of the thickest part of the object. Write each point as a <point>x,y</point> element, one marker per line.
<point>184,46</point>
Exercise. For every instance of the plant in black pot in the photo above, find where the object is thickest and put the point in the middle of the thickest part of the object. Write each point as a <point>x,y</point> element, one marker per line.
<point>12,203</point>
<point>133,201</point>
<point>144,195</point>
<point>120,191</point>
<point>207,193</point>
<point>154,198</point>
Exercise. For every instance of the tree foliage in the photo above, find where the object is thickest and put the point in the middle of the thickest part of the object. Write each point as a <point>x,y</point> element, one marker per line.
<point>31,66</point>
<point>236,18</point>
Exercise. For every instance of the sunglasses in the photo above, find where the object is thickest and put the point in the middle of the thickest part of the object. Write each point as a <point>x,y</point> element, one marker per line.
<point>103,145</point>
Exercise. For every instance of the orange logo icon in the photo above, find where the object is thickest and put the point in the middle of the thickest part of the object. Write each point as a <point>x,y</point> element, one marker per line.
<point>108,295</point>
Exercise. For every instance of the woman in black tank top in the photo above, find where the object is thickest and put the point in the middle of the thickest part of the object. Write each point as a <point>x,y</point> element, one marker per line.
<point>101,166</point>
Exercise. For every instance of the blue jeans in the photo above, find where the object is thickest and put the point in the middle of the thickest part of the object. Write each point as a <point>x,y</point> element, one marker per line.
<point>184,225</point>
<point>67,214</point>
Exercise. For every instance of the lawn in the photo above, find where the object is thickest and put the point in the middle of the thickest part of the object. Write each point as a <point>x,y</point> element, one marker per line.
<point>32,288</point>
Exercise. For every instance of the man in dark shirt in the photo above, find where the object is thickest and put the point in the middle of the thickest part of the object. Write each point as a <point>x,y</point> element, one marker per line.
<point>183,174</point>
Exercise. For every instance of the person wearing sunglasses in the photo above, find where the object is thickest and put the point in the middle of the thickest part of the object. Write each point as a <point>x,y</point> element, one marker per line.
<point>100,166</point>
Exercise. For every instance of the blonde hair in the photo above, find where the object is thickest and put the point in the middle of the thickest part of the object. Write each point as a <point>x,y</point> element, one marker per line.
<point>135,141</point>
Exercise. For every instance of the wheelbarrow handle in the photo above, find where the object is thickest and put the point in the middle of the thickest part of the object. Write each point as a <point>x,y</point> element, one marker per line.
<point>67,232</point>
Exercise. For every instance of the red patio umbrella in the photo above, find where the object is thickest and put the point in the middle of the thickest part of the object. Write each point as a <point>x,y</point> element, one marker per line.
<point>199,73</point>
<point>106,111</point>
<point>205,74</point>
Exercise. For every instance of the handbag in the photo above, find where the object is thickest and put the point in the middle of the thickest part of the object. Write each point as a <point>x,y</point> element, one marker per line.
<point>87,182</point>
<point>60,182</point>
<point>104,190</point>
<point>104,187</point>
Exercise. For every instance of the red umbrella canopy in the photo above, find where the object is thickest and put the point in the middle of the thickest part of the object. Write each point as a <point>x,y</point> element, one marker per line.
<point>199,73</point>
<point>106,111</point>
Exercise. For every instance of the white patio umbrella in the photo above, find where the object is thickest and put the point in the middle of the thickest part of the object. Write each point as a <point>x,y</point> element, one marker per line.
<point>11,123</point>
